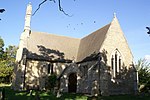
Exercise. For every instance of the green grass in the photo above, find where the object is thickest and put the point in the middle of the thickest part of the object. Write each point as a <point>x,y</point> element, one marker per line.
<point>13,95</point>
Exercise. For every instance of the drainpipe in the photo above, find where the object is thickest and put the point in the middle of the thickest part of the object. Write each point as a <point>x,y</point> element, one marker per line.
<point>99,65</point>
<point>25,64</point>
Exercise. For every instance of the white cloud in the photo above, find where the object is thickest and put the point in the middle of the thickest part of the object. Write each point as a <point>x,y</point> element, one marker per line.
<point>147,57</point>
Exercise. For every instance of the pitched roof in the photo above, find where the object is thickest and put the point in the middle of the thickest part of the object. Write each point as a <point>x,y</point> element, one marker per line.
<point>92,43</point>
<point>46,45</point>
<point>49,45</point>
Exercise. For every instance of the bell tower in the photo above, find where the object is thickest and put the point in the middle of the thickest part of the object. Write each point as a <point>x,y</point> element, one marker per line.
<point>28,17</point>
<point>25,34</point>
<point>19,80</point>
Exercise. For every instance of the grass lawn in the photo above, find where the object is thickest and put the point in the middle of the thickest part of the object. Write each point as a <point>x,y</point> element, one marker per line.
<point>13,95</point>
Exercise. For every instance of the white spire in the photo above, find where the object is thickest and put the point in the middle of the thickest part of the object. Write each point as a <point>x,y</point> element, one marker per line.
<point>28,17</point>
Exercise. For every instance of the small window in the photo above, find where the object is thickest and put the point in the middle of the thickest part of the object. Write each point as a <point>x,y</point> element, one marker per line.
<point>116,63</point>
<point>50,69</point>
<point>112,62</point>
<point>119,63</point>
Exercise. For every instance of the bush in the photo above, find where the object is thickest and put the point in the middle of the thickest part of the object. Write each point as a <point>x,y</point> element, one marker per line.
<point>51,81</point>
<point>5,73</point>
<point>143,68</point>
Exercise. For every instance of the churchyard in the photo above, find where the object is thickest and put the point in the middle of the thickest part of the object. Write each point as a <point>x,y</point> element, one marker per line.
<point>47,95</point>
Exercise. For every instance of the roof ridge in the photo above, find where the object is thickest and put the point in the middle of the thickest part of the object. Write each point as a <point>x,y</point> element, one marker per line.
<point>92,42</point>
<point>55,35</point>
<point>95,31</point>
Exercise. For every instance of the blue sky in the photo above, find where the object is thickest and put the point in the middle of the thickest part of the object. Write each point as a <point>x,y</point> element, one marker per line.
<point>133,15</point>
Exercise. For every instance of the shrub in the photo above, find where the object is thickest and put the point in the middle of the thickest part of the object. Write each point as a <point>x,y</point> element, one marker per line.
<point>51,81</point>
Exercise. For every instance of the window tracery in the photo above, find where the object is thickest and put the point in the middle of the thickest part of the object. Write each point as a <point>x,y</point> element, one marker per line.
<point>116,63</point>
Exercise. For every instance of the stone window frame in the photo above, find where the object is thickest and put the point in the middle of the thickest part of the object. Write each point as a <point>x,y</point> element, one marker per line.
<point>85,70</point>
<point>50,69</point>
<point>116,63</point>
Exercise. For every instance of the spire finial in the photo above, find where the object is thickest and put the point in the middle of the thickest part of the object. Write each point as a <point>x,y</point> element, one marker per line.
<point>28,17</point>
<point>114,15</point>
<point>29,3</point>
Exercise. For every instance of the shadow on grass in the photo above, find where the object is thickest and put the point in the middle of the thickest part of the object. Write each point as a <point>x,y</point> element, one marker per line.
<point>73,96</point>
<point>23,95</point>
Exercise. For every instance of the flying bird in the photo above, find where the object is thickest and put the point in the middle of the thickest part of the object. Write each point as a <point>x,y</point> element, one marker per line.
<point>2,10</point>
<point>148,30</point>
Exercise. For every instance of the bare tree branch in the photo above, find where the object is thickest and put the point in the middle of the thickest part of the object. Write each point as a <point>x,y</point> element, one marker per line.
<point>59,5</point>
<point>39,7</point>
<point>61,9</point>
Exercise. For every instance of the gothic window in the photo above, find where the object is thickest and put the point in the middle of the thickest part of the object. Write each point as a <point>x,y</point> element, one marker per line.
<point>112,62</point>
<point>119,62</point>
<point>116,62</point>
<point>50,69</point>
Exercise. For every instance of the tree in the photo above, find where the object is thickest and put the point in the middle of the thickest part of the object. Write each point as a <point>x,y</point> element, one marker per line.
<point>59,6</point>
<point>10,53</point>
<point>7,62</point>
<point>1,48</point>
<point>143,68</point>
<point>5,72</point>
<point>51,81</point>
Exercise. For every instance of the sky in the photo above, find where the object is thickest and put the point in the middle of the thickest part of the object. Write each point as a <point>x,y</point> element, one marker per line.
<point>87,16</point>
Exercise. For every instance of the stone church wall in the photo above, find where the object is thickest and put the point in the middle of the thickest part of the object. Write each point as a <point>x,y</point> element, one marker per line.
<point>87,77</point>
<point>89,80</point>
<point>36,73</point>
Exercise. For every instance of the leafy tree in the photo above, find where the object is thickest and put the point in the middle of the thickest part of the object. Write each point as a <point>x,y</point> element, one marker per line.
<point>143,68</point>
<point>11,55</point>
<point>1,48</point>
<point>5,72</point>
<point>7,62</point>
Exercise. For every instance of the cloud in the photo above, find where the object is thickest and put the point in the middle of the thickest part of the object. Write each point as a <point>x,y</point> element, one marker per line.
<point>147,57</point>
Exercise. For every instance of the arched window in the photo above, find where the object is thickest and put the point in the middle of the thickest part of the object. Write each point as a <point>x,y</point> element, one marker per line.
<point>50,69</point>
<point>112,62</point>
<point>116,62</point>
<point>119,62</point>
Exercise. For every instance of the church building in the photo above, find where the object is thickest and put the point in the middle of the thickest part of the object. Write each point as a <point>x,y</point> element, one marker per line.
<point>101,63</point>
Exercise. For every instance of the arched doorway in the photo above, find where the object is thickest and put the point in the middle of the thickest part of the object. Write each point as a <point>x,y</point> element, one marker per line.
<point>72,83</point>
